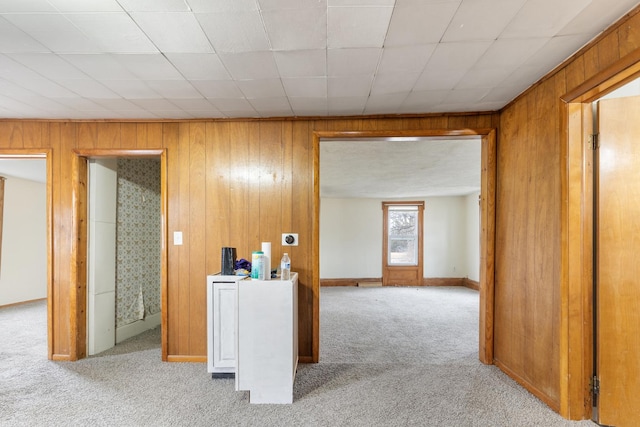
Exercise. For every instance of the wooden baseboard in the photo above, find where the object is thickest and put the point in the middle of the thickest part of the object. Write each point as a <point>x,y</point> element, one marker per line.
<point>22,302</point>
<point>349,282</point>
<point>471,284</point>
<point>188,359</point>
<point>442,281</point>
<point>528,386</point>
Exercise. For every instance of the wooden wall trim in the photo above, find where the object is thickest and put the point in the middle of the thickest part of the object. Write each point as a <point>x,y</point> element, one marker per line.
<point>471,284</point>
<point>78,288</point>
<point>186,359</point>
<point>527,385</point>
<point>348,282</point>
<point>443,281</point>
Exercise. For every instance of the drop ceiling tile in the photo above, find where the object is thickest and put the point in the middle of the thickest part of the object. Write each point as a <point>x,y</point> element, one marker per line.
<point>264,88</point>
<point>217,88</point>
<point>14,71</point>
<point>199,66</point>
<point>417,22</point>
<point>357,26</point>
<point>302,63</point>
<point>291,4</point>
<point>192,104</point>
<point>384,104</point>
<point>13,39</point>
<point>149,66</point>
<point>99,66</point>
<point>46,87</point>
<point>13,6</point>
<point>54,31</point>
<point>272,107</point>
<point>173,31</point>
<point>409,59</point>
<point>154,104</point>
<point>250,65</point>
<point>116,104</point>
<point>481,19</point>
<point>510,53</point>
<point>543,18</point>
<point>88,88</point>
<point>112,32</point>
<point>48,65</point>
<point>10,89</point>
<point>423,101</point>
<point>212,113</point>
<point>448,63</point>
<point>361,3</point>
<point>556,50</point>
<point>87,6</point>
<point>348,62</point>
<point>174,88</point>
<point>598,14</point>
<point>309,106</point>
<point>131,89</point>
<point>346,106</point>
<point>232,104</point>
<point>466,96</point>
<point>484,77</point>
<point>502,94</point>
<point>349,86</point>
<point>81,104</point>
<point>232,32</point>
<point>153,5</point>
<point>222,5</point>
<point>306,87</point>
<point>389,83</point>
<point>296,29</point>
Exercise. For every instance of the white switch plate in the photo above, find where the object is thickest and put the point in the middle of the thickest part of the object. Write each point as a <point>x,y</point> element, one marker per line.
<point>177,238</point>
<point>295,239</point>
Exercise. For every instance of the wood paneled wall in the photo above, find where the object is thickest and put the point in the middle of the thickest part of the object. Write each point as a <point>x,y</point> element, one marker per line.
<point>530,343</point>
<point>229,183</point>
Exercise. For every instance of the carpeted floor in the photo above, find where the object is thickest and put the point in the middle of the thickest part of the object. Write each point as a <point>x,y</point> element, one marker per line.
<point>388,357</point>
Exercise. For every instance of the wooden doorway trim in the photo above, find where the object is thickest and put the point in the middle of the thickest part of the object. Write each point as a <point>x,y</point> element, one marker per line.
<point>576,233</point>
<point>487,223</point>
<point>78,297</point>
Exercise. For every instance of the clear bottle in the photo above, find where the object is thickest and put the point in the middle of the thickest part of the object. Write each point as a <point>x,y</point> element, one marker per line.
<point>285,267</point>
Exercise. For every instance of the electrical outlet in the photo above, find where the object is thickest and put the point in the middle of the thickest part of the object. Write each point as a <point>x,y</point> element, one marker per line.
<point>289,239</point>
<point>177,238</point>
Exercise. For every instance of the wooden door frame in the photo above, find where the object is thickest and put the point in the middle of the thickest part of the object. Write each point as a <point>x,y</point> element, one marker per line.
<point>78,296</point>
<point>487,223</point>
<point>35,153</point>
<point>576,233</point>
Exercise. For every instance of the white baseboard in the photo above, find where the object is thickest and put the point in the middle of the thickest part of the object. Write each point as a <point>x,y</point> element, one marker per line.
<point>136,328</point>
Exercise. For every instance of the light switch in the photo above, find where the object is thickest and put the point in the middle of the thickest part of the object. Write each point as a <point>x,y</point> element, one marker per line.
<point>177,238</point>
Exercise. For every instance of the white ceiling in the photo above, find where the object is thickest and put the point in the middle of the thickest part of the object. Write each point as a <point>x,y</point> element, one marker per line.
<point>181,59</point>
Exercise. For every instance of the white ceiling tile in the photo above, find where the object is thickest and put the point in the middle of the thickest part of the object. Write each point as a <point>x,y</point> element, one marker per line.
<point>417,22</point>
<point>484,77</point>
<point>13,6</point>
<point>384,104</point>
<point>309,106</point>
<point>48,65</point>
<point>361,2</point>
<point>349,86</point>
<point>598,15</point>
<point>222,5</point>
<point>81,104</point>
<point>13,39</point>
<point>543,18</point>
<point>116,104</point>
<point>272,107</point>
<point>173,31</point>
<point>265,88</point>
<point>410,59</point>
<point>217,88</point>
<point>10,89</point>
<point>199,66</point>
<point>302,63</point>
<point>481,19</point>
<point>349,62</point>
<point>149,66</point>
<point>357,26</point>
<point>174,88</point>
<point>154,104</point>
<point>296,29</point>
<point>152,5</point>
<point>131,89</point>
<point>510,52</point>
<point>388,83</point>
<point>88,88</point>
<point>556,50</point>
<point>14,71</point>
<point>99,66</point>
<point>291,4</point>
<point>192,104</point>
<point>341,106</point>
<point>212,113</point>
<point>250,65</point>
<point>54,31</point>
<point>422,101</point>
<point>503,94</point>
<point>87,6</point>
<point>467,96</point>
<point>306,87</point>
<point>232,104</point>
<point>233,32</point>
<point>112,32</point>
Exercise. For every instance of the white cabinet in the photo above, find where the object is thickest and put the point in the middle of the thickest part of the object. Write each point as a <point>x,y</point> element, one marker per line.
<point>221,324</point>
<point>267,338</point>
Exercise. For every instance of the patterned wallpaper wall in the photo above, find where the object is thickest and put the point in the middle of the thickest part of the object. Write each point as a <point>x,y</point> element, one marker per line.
<point>138,232</point>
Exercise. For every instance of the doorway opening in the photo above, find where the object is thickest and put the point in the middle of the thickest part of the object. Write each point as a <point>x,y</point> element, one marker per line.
<point>107,318</point>
<point>487,216</point>
<point>581,236</point>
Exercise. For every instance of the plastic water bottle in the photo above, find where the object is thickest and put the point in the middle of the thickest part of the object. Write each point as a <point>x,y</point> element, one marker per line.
<point>285,267</point>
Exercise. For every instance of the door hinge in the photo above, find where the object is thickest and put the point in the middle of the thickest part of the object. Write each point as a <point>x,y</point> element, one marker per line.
<point>594,385</point>
<point>594,141</point>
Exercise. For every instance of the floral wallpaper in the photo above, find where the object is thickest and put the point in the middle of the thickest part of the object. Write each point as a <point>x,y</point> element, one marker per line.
<point>138,236</point>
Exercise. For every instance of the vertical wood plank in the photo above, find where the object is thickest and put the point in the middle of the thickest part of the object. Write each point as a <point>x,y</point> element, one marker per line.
<point>108,135</point>
<point>171,309</point>
<point>240,214</point>
<point>217,230</point>
<point>183,315</point>
<point>87,134</point>
<point>32,134</point>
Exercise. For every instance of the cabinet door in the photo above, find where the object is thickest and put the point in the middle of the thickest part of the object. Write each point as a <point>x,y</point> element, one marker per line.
<point>224,331</point>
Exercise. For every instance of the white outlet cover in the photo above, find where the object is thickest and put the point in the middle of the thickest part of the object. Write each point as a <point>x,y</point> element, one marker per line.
<point>177,238</point>
<point>295,239</point>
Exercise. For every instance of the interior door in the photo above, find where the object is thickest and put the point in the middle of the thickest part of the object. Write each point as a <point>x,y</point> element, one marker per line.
<point>402,245</point>
<point>618,265</point>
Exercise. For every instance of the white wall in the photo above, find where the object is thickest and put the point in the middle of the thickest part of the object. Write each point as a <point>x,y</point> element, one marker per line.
<point>351,237</point>
<point>23,268</point>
